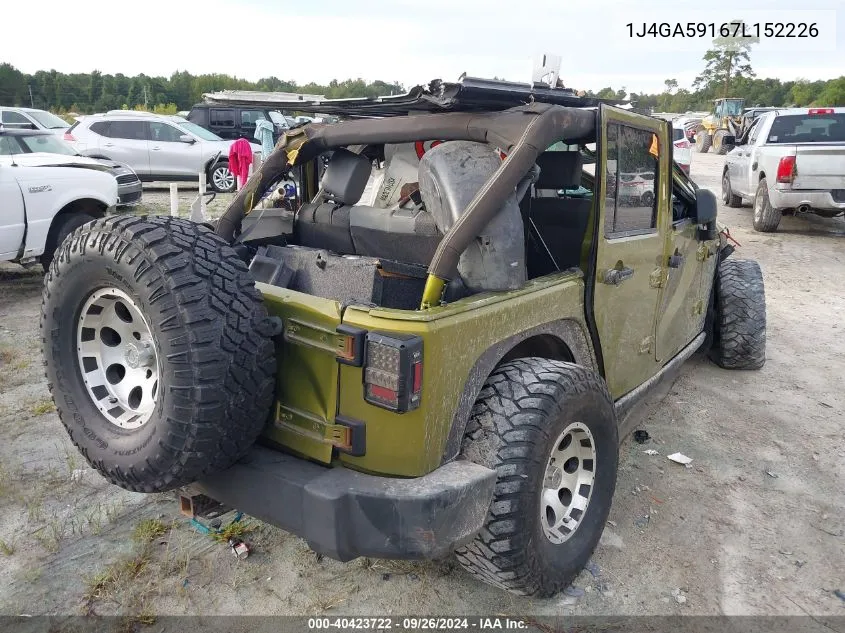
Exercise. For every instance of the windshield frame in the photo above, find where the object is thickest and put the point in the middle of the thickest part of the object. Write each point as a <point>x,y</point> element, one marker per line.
<point>50,123</point>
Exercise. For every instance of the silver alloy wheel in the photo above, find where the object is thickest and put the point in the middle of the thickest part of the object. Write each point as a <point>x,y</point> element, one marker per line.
<point>725,185</point>
<point>568,484</point>
<point>117,358</point>
<point>758,207</point>
<point>222,178</point>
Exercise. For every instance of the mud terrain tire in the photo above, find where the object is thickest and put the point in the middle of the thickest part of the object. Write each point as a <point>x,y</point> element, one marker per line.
<point>728,196</point>
<point>740,336</point>
<point>207,343</point>
<point>703,141</point>
<point>766,218</point>
<point>522,416</point>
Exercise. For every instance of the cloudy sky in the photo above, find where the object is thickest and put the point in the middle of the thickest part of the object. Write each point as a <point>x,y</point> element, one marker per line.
<point>411,41</point>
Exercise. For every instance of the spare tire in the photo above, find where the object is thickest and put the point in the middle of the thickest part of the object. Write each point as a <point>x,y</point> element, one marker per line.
<point>158,350</point>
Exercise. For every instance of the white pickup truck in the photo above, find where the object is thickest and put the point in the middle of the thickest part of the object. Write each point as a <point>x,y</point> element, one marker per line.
<point>41,205</point>
<point>790,159</point>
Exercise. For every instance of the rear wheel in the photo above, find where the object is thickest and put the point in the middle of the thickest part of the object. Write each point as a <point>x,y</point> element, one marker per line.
<point>728,196</point>
<point>766,219</point>
<point>221,179</point>
<point>740,336</point>
<point>158,350</point>
<point>702,141</point>
<point>549,430</point>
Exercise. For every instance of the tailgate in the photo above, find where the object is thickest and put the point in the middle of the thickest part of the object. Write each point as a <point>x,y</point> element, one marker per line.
<point>306,385</point>
<point>820,166</point>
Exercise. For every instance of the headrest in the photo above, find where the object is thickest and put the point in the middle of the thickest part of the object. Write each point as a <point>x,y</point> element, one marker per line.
<point>346,176</point>
<point>559,170</point>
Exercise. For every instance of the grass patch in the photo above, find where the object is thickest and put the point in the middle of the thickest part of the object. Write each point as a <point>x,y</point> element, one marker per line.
<point>149,530</point>
<point>43,407</point>
<point>236,530</point>
<point>109,582</point>
<point>6,548</point>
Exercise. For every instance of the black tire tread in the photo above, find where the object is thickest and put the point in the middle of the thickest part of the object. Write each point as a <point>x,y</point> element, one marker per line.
<point>223,395</point>
<point>770,217</point>
<point>740,315</point>
<point>733,201</point>
<point>508,419</point>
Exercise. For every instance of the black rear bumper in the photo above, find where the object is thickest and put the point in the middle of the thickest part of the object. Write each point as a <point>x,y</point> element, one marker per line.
<point>345,514</point>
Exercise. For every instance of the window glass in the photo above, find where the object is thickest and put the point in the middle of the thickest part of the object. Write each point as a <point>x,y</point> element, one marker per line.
<point>198,131</point>
<point>808,128</point>
<point>49,120</point>
<point>132,130</point>
<point>223,118</point>
<point>47,143</point>
<point>101,128</point>
<point>164,133</point>
<point>755,131</point>
<point>249,117</point>
<point>631,168</point>
<point>16,119</point>
<point>8,146</point>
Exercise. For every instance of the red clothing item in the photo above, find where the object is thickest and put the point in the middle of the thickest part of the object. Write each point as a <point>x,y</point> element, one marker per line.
<point>240,158</point>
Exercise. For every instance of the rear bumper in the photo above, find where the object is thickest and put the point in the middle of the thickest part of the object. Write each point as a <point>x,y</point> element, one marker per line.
<point>813,198</point>
<point>345,514</point>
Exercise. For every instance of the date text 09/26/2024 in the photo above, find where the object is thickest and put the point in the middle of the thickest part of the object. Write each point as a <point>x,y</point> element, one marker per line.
<point>724,29</point>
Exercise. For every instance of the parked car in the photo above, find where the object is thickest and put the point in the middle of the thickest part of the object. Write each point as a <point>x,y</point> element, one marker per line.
<point>39,147</point>
<point>233,122</point>
<point>449,373</point>
<point>31,119</point>
<point>790,159</point>
<point>156,146</point>
<point>682,151</point>
<point>43,204</point>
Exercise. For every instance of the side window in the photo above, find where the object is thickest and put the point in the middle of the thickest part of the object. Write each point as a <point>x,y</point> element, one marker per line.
<point>222,118</point>
<point>132,130</point>
<point>163,132</point>
<point>755,131</point>
<point>631,166</point>
<point>101,128</point>
<point>16,120</point>
<point>249,117</point>
<point>8,146</point>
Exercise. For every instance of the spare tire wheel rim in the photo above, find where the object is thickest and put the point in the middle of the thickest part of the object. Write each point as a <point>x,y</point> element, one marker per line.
<point>223,178</point>
<point>117,358</point>
<point>568,483</point>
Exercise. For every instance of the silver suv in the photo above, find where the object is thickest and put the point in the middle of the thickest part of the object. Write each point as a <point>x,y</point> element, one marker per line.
<point>157,147</point>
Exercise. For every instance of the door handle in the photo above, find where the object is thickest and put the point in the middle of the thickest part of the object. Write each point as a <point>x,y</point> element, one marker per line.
<point>108,144</point>
<point>675,261</point>
<point>616,276</point>
<point>156,148</point>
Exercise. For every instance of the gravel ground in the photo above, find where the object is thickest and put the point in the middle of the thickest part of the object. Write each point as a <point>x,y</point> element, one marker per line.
<point>755,526</point>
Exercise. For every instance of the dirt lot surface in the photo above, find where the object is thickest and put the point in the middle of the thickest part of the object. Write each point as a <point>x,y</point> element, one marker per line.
<point>756,525</point>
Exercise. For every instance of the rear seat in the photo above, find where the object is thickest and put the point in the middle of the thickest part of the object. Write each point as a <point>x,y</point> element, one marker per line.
<point>558,224</point>
<point>336,223</point>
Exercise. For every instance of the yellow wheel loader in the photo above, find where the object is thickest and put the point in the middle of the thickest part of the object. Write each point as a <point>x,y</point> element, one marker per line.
<point>725,119</point>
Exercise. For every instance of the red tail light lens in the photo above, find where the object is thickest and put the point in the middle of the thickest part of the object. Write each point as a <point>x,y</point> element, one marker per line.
<point>820,111</point>
<point>393,371</point>
<point>682,144</point>
<point>786,169</point>
<point>69,137</point>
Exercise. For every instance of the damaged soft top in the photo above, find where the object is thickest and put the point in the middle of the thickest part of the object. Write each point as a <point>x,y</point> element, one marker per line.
<point>470,94</point>
<point>522,133</point>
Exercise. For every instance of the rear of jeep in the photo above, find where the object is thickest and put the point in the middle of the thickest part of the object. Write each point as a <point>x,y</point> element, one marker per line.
<point>415,341</point>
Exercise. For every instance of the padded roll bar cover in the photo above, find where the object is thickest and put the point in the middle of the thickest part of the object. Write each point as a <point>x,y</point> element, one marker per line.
<point>451,174</point>
<point>559,170</point>
<point>346,176</point>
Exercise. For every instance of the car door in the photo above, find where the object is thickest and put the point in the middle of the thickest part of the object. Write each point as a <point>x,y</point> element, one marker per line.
<point>680,316</point>
<point>738,161</point>
<point>127,143</point>
<point>248,119</point>
<point>630,249</point>
<point>171,157</point>
<point>13,217</point>
<point>221,121</point>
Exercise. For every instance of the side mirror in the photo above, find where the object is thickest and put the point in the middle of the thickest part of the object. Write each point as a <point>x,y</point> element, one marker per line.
<point>187,139</point>
<point>729,139</point>
<point>705,206</point>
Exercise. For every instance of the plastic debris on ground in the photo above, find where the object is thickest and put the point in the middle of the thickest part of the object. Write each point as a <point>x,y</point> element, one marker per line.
<point>680,458</point>
<point>651,451</point>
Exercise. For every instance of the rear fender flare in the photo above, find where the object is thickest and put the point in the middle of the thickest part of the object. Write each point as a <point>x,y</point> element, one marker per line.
<point>568,333</point>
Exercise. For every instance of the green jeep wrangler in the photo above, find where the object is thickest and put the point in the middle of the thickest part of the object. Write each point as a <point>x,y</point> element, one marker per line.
<point>431,345</point>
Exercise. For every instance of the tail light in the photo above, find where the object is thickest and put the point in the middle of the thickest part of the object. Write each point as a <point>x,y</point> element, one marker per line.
<point>820,111</point>
<point>682,144</point>
<point>393,371</point>
<point>786,169</point>
<point>69,137</point>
